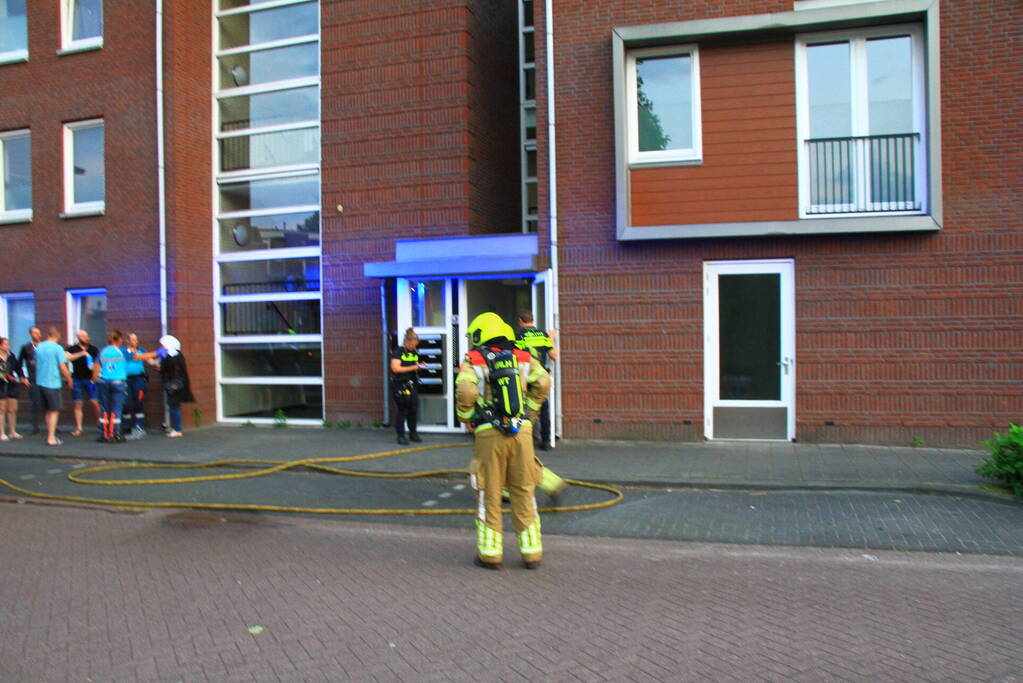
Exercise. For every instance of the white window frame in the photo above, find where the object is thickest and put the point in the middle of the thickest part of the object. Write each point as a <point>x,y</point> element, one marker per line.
<point>857,39</point>
<point>14,215</point>
<point>19,55</point>
<point>692,155</point>
<point>73,309</point>
<point>68,45</point>
<point>5,321</point>
<point>72,208</point>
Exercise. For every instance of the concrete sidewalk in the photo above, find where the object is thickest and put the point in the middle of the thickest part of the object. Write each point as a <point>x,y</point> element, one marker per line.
<point>722,464</point>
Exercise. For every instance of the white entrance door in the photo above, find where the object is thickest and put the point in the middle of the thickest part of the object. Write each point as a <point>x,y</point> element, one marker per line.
<point>749,350</point>
<point>426,305</point>
<point>543,317</point>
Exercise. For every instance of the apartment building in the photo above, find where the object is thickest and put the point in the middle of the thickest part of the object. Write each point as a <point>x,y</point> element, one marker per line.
<point>748,219</point>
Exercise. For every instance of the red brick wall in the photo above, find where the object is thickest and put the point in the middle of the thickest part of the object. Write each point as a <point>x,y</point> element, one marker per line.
<point>117,251</point>
<point>409,151</point>
<point>748,100</point>
<point>898,336</point>
<point>188,119</point>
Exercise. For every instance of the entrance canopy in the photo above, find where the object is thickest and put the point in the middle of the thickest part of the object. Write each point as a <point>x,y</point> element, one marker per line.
<point>454,256</point>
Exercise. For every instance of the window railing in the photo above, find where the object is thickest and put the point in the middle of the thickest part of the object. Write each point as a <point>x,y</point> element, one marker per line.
<point>867,174</point>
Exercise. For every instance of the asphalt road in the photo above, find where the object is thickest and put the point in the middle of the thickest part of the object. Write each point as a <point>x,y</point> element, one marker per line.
<point>840,519</point>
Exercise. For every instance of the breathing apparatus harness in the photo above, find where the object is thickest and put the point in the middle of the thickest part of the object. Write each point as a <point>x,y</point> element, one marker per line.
<point>498,368</point>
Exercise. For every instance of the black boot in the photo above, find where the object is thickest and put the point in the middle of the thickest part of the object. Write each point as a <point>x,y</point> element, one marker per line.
<point>414,436</point>
<point>402,440</point>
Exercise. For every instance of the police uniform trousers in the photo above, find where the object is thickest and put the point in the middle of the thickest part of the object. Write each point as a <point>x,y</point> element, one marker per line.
<point>506,462</point>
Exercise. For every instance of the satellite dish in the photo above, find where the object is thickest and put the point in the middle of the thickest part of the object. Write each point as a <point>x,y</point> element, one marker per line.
<point>240,233</point>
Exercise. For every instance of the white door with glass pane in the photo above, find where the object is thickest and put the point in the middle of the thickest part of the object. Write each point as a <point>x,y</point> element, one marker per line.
<point>749,350</point>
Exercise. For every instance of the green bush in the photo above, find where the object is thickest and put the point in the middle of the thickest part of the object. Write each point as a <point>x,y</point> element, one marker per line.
<point>280,419</point>
<point>1006,461</point>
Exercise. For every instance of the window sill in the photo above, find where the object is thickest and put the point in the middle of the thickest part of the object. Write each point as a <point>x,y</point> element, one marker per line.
<point>14,57</point>
<point>15,219</point>
<point>84,46</point>
<point>665,162</point>
<point>84,213</point>
<point>825,226</point>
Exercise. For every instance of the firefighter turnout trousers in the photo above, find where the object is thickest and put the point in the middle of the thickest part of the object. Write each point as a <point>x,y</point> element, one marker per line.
<point>501,461</point>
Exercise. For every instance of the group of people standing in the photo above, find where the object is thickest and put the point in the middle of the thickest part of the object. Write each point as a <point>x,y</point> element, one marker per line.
<point>112,379</point>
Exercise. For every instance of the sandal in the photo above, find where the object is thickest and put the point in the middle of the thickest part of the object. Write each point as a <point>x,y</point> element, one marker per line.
<point>4,437</point>
<point>17,436</point>
<point>54,445</point>
<point>77,432</point>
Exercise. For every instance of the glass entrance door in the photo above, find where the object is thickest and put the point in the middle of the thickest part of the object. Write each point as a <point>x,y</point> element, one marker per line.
<point>749,350</point>
<point>427,307</point>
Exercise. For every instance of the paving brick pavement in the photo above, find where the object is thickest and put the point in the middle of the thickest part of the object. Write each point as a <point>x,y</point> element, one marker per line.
<point>94,595</point>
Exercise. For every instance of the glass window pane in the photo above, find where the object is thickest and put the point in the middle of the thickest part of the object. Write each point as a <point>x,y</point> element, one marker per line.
<point>528,47</point>
<point>890,77</point>
<point>271,360</point>
<point>21,317</point>
<point>532,199</point>
<point>749,308</point>
<point>278,231</point>
<point>527,12</point>
<point>273,275</point>
<point>529,121</point>
<point>266,66</point>
<point>87,153</point>
<point>664,98</point>
<point>282,148</point>
<point>86,19</point>
<point>268,194</point>
<point>270,317</point>
<point>13,26</point>
<point>530,77</point>
<point>829,81</point>
<point>531,163</point>
<point>17,173</point>
<point>91,316</point>
<point>270,109</point>
<point>427,303</point>
<point>264,400</point>
<point>264,26</point>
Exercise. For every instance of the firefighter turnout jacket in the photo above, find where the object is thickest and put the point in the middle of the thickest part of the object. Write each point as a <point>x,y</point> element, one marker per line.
<point>500,460</point>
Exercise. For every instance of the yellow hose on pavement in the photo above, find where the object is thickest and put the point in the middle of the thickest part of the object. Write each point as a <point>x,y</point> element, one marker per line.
<point>272,466</point>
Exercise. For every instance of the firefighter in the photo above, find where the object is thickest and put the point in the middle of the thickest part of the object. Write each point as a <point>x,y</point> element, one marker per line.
<point>503,454</point>
<point>541,345</point>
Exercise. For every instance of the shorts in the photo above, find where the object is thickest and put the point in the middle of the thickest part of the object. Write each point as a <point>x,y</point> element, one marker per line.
<point>80,387</point>
<point>51,399</point>
<point>9,390</point>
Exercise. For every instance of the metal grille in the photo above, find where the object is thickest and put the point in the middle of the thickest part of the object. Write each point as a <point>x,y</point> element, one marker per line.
<point>865,174</point>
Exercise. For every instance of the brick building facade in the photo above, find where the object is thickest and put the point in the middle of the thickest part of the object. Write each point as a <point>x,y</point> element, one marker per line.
<point>774,219</point>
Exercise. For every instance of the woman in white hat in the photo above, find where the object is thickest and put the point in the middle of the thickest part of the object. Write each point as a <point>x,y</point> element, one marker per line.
<point>174,375</point>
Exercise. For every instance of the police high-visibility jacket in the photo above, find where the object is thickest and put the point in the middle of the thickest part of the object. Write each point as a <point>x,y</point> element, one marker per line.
<point>472,386</point>
<point>537,342</point>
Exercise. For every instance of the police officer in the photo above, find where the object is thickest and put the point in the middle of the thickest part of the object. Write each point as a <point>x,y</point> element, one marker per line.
<point>540,344</point>
<point>405,367</point>
<point>503,457</point>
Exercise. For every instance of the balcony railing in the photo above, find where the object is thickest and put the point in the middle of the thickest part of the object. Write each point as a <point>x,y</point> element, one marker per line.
<point>866,174</point>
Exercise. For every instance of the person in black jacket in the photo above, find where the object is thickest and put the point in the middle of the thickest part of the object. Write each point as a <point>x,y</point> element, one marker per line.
<point>27,360</point>
<point>174,376</point>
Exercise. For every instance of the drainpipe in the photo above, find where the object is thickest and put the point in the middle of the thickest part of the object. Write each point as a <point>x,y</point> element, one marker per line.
<point>161,173</point>
<point>552,198</point>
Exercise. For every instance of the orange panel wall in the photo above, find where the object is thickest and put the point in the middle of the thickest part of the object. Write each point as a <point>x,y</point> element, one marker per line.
<point>749,145</point>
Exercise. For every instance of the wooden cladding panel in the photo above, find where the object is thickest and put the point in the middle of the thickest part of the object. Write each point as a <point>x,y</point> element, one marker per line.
<point>749,168</point>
